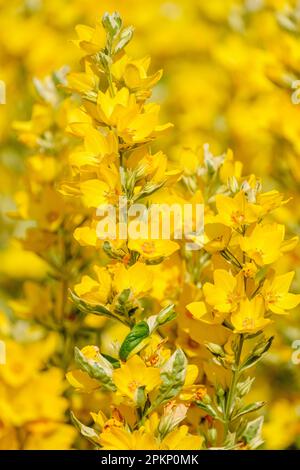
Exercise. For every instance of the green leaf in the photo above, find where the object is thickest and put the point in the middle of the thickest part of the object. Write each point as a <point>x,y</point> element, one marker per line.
<point>137,338</point>
<point>100,370</point>
<point>138,334</point>
<point>172,376</point>
<point>85,431</point>
<point>114,362</point>
<point>244,387</point>
<point>230,441</point>
<point>252,433</point>
<point>207,408</point>
<point>248,409</point>
<point>87,308</point>
<point>215,349</point>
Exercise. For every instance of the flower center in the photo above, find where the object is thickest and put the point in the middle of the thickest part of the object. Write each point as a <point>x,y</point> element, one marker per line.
<point>237,217</point>
<point>133,385</point>
<point>248,323</point>
<point>148,247</point>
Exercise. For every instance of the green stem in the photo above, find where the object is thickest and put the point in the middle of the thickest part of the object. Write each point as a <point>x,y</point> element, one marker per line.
<point>232,388</point>
<point>110,83</point>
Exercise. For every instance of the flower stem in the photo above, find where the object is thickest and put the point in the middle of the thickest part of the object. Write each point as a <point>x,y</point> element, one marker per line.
<point>232,389</point>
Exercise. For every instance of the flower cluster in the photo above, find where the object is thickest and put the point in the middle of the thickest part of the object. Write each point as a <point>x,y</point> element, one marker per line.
<point>241,243</point>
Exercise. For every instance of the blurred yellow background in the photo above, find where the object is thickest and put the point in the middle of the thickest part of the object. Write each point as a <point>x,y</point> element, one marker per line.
<point>230,79</point>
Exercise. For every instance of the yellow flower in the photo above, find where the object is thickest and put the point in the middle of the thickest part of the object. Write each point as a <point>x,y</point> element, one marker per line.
<point>134,74</point>
<point>85,83</point>
<point>151,249</point>
<point>121,439</point>
<point>138,278</point>
<point>189,389</point>
<point>249,269</point>
<point>97,146</point>
<point>180,439</point>
<point>263,243</point>
<point>249,318</point>
<point>236,211</point>
<point>95,291</point>
<point>271,200</point>
<point>133,123</point>
<point>216,237</point>
<point>134,374</point>
<point>95,192</point>
<point>275,292</point>
<point>226,292</point>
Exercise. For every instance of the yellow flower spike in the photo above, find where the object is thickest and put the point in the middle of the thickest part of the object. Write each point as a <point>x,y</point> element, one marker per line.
<point>249,318</point>
<point>275,292</point>
<point>134,374</point>
<point>226,292</point>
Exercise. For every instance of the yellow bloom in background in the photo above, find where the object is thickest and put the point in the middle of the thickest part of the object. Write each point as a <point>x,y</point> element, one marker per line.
<point>282,426</point>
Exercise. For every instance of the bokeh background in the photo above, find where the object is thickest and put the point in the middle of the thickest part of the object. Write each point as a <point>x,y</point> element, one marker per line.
<point>230,68</point>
